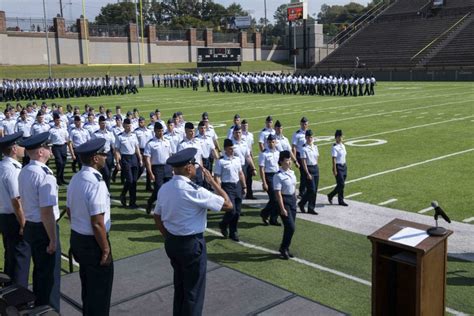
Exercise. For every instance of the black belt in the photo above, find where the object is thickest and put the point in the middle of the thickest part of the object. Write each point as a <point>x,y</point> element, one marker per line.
<point>59,145</point>
<point>199,235</point>
<point>288,195</point>
<point>270,173</point>
<point>341,164</point>
<point>312,166</point>
<point>159,165</point>
<point>123,155</point>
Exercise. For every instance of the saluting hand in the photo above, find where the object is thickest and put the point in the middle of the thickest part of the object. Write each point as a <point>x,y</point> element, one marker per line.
<point>207,175</point>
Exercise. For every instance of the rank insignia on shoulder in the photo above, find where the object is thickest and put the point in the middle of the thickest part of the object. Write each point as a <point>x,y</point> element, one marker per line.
<point>98,176</point>
<point>46,170</point>
<point>194,185</point>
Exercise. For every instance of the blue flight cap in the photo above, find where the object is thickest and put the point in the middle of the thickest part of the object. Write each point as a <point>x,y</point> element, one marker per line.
<point>182,158</point>
<point>10,140</point>
<point>91,147</point>
<point>36,141</point>
<point>271,137</point>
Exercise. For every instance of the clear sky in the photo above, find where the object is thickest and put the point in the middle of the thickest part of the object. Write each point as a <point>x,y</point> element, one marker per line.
<point>72,9</point>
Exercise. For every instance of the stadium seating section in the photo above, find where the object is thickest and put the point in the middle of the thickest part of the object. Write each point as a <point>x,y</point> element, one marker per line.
<point>442,38</point>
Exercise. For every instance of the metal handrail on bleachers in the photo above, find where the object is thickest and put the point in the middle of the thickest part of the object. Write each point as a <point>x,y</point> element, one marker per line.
<point>440,36</point>
<point>354,26</point>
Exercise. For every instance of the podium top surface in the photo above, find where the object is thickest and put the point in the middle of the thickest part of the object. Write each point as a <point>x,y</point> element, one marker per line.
<point>384,233</point>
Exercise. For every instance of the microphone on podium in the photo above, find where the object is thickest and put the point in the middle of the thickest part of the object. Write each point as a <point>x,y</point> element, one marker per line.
<point>438,231</point>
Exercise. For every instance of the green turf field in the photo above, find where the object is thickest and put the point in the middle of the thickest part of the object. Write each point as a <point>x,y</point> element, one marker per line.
<point>425,151</point>
<point>74,71</point>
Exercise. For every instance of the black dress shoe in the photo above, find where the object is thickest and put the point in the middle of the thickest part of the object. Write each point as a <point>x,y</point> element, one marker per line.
<point>123,200</point>
<point>343,204</point>
<point>250,197</point>
<point>148,207</point>
<point>301,206</point>
<point>313,212</point>
<point>65,182</point>
<point>284,254</point>
<point>264,220</point>
<point>275,223</point>
<point>329,199</point>
<point>235,237</point>
<point>223,229</point>
<point>133,206</point>
<point>289,254</point>
<point>241,214</point>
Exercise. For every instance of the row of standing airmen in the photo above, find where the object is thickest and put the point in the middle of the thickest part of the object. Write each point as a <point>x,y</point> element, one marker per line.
<point>40,89</point>
<point>272,83</point>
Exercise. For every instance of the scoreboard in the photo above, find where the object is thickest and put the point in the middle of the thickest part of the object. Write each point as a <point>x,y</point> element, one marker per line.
<point>216,57</point>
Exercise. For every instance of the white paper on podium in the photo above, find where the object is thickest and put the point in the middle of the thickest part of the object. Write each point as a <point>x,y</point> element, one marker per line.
<point>409,236</point>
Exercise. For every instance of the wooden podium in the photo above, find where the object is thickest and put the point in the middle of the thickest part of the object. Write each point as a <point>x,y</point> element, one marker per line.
<point>408,280</point>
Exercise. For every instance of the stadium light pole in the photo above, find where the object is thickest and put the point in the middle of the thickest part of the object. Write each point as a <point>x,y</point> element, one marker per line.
<point>47,39</point>
<point>265,22</point>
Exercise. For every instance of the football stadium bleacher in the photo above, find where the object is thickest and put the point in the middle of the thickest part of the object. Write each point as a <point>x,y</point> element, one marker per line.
<point>410,34</point>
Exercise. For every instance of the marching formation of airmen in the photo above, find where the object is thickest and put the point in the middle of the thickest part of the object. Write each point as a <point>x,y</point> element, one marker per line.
<point>41,89</point>
<point>330,85</point>
<point>179,159</point>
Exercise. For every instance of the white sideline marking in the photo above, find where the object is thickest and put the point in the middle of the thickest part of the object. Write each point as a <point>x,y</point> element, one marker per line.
<point>388,201</point>
<point>302,261</point>
<point>455,312</point>
<point>67,259</point>
<point>353,195</point>
<point>401,168</point>
<point>468,220</point>
<point>425,210</point>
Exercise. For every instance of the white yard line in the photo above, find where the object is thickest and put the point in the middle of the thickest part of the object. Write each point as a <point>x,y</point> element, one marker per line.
<point>468,220</point>
<point>403,129</point>
<point>353,195</point>
<point>67,259</point>
<point>402,168</point>
<point>388,202</point>
<point>302,261</point>
<point>425,210</point>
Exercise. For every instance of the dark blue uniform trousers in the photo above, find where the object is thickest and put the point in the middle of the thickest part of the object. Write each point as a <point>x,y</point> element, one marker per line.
<point>340,183</point>
<point>162,173</point>
<point>129,165</point>
<point>271,209</point>
<point>96,280</point>
<point>302,187</point>
<point>188,257</point>
<point>46,267</point>
<point>230,219</point>
<point>17,251</point>
<point>289,201</point>
<point>60,158</point>
<point>311,188</point>
<point>107,170</point>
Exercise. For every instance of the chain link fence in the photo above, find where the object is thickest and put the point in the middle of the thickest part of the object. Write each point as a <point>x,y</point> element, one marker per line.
<point>108,30</point>
<point>28,25</point>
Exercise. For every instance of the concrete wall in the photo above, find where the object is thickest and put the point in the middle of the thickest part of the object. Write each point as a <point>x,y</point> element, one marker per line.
<point>25,48</point>
<point>112,52</point>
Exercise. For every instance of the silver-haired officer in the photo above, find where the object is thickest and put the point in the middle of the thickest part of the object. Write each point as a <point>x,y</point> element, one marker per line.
<point>181,216</point>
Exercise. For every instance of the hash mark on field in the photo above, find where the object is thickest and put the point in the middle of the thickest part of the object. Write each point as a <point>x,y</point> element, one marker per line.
<point>468,220</point>
<point>420,117</point>
<point>403,116</point>
<point>388,201</point>
<point>458,114</point>
<point>425,210</point>
<point>424,113</point>
<point>440,113</point>
<point>353,195</point>
<point>345,113</point>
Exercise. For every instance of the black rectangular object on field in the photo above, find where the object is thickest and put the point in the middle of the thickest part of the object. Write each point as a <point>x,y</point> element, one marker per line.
<point>219,56</point>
